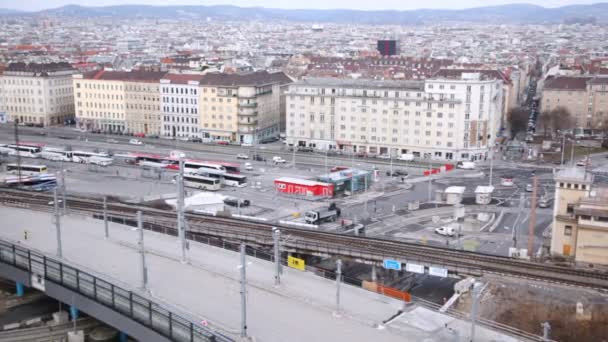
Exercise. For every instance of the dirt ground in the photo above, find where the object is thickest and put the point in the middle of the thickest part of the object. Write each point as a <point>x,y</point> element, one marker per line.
<point>524,305</point>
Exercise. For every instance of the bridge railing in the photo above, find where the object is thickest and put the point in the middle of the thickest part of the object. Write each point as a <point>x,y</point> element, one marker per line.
<point>138,308</point>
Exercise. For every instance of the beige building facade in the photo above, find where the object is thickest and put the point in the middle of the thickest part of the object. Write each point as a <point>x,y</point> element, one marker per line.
<point>580,218</point>
<point>241,108</point>
<point>585,97</point>
<point>38,94</point>
<point>118,101</point>
<point>453,116</point>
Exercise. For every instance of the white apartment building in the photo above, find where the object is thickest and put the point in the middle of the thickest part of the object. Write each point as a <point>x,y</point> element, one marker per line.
<point>447,117</point>
<point>39,94</point>
<point>179,95</point>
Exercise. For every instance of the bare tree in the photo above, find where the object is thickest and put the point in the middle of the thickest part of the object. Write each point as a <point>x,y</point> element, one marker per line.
<point>561,119</point>
<point>518,119</point>
<point>545,121</point>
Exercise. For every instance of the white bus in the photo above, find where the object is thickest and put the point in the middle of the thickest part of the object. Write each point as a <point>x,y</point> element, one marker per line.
<point>25,151</point>
<point>84,157</point>
<point>228,179</point>
<point>202,183</point>
<point>51,153</point>
<point>193,167</point>
<point>26,170</point>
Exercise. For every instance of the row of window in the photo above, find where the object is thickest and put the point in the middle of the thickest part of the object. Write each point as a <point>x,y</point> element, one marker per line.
<point>99,86</point>
<point>186,110</point>
<point>169,118</point>
<point>180,90</point>
<point>167,99</point>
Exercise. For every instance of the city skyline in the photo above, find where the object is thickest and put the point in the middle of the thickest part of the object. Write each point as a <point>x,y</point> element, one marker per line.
<point>34,5</point>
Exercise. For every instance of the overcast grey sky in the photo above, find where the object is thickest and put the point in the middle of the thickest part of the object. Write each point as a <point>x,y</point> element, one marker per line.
<point>32,5</point>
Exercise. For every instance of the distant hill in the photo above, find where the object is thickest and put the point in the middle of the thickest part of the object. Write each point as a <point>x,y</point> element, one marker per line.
<point>515,13</point>
<point>9,11</point>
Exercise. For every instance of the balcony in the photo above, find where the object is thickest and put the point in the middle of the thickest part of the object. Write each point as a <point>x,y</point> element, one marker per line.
<point>247,111</point>
<point>248,105</point>
<point>248,123</point>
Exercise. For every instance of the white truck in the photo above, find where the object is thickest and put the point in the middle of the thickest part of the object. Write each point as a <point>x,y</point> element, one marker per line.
<point>330,214</point>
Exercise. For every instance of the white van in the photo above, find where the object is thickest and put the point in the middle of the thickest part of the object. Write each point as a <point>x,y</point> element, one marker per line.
<point>466,165</point>
<point>406,157</point>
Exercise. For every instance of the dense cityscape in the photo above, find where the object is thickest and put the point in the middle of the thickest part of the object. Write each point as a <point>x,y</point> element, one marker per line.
<point>181,173</point>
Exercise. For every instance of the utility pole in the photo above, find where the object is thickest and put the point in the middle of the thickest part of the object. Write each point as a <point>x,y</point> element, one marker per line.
<point>243,292</point>
<point>391,164</point>
<point>546,329</point>
<point>142,253</point>
<point>181,229</point>
<point>522,201</point>
<point>491,164</point>
<point>57,223</point>
<point>294,154</point>
<point>326,169</point>
<point>276,236</point>
<point>64,203</point>
<point>532,222</point>
<point>430,181</point>
<point>105,217</point>
<point>338,281</point>
<point>563,147</point>
<point>18,152</point>
<point>572,143</point>
<point>475,294</point>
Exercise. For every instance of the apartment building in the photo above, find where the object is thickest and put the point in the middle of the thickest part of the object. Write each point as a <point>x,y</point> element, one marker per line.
<point>39,94</point>
<point>180,105</point>
<point>580,218</point>
<point>118,101</point>
<point>241,108</point>
<point>142,100</point>
<point>452,116</point>
<point>585,97</point>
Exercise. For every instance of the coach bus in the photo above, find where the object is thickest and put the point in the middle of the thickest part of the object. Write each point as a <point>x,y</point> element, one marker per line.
<point>227,179</point>
<point>202,183</point>
<point>26,170</point>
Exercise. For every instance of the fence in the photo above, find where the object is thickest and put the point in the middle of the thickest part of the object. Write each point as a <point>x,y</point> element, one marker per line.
<point>138,308</point>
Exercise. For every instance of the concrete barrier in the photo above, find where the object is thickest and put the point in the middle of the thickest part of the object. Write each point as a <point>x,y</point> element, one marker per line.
<point>299,224</point>
<point>251,218</point>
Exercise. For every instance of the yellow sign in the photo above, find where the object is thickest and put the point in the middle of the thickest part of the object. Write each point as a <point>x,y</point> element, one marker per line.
<point>296,263</point>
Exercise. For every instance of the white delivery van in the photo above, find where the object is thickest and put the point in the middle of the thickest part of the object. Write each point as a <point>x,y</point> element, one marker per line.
<point>466,165</point>
<point>406,157</point>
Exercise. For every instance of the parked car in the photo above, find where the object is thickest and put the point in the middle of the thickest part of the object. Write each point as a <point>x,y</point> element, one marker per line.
<point>278,160</point>
<point>242,156</point>
<point>135,142</point>
<point>305,149</point>
<point>397,173</point>
<point>258,157</point>
<point>221,142</point>
<point>445,231</point>
<point>196,140</point>
<point>269,140</point>
<point>466,165</point>
<point>529,188</point>
<point>383,156</point>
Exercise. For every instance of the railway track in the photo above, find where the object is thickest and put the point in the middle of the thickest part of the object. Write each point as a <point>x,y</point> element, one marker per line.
<point>373,249</point>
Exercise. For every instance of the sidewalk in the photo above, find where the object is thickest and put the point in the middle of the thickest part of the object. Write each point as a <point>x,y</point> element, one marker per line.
<point>301,309</point>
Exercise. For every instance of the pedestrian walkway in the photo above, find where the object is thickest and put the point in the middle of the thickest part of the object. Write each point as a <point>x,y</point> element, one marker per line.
<point>302,308</point>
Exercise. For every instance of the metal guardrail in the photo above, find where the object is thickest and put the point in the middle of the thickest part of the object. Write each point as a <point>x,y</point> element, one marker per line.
<point>138,308</point>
